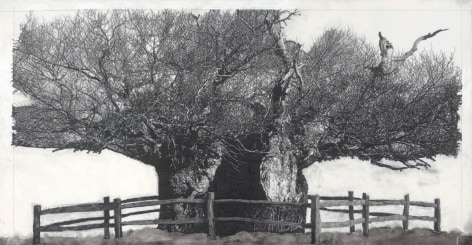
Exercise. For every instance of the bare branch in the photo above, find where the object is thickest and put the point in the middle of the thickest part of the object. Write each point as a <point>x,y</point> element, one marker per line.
<point>415,45</point>
<point>377,163</point>
<point>150,127</point>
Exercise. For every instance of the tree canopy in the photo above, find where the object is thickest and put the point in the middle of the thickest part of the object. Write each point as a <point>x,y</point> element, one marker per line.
<point>147,83</point>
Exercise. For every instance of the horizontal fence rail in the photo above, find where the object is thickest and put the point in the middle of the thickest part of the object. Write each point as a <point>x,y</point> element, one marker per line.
<point>326,198</point>
<point>139,199</point>
<point>386,202</point>
<point>140,212</point>
<point>424,204</point>
<point>72,228</point>
<point>75,221</point>
<point>262,221</point>
<point>341,203</point>
<point>316,205</point>
<point>88,207</point>
<point>258,202</point>
<point>166,222</point>
<point>161,202</point>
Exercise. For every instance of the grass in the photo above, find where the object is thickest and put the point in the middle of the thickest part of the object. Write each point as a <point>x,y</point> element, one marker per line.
<point>377,236</point>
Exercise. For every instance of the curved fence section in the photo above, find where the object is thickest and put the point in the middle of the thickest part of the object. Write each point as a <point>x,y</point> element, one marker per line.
<point>316,204</point>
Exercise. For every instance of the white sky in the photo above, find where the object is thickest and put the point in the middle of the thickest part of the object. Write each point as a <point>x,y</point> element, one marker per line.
<point>401,28</point>
<point>400,21</point>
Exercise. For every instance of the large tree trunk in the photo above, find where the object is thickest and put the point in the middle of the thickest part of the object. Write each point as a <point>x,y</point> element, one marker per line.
<point>264,168</point>
<point>184,178</point>
<point>273,176</point>
<point>280,177</point>
<point>283,181</point>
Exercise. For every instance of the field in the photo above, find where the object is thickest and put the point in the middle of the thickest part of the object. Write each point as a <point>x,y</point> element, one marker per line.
<point>378,236</point>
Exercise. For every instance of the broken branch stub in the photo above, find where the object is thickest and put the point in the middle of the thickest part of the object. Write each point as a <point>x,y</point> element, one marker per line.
<point>415,45</point>
<point>389,64</point>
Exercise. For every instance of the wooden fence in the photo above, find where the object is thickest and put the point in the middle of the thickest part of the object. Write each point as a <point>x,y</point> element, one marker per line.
<point>316,205</point>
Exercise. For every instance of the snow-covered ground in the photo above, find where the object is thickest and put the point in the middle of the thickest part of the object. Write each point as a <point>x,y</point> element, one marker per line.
<point>40,176</point>
<point>51,179</point>
<point>442,180</point>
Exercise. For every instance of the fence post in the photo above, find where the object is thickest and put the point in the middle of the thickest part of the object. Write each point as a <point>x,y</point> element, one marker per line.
<point>406,212</point>
<point>211,216</point>
<point>352,228</point>
<point>315,220</point>
<point>365,215</point>
<point>106,217</point>
<point>36,224</point>
<point>117,216</point>
<point>437,215</point>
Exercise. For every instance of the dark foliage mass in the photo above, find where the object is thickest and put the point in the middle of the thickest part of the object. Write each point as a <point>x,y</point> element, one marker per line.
<point>148,84</point>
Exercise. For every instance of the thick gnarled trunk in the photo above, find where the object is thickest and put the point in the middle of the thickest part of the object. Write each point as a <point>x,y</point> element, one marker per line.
<point>182,178</point>
<point>283,181</point>
<point>270,176</point>
<point>280,177</point>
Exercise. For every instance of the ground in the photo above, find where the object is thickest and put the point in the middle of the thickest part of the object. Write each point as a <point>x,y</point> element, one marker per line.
<point>377,236</point>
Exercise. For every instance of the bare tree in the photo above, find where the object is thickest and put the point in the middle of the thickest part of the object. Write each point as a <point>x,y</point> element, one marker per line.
<point>222,102</point>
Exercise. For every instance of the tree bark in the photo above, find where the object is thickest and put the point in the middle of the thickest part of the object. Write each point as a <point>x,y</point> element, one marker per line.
<point>259,176</point>
<point>281,178</point>
<point>184,177</point>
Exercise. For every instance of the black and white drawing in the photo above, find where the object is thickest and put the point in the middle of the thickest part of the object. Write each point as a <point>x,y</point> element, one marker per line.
<point>236,115</point>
